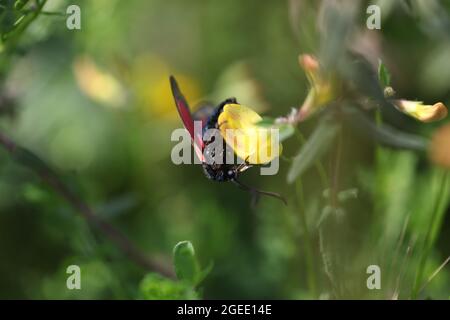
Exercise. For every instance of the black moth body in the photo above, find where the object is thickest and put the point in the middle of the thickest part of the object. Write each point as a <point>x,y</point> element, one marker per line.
<point>216,171</point>
<point>220,172</point>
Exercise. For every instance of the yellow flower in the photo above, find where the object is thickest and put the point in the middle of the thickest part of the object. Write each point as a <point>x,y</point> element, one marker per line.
<point>98,84</point>
<point>150,87</point>
<point>420,111</point>
<point>321,92</point>
<point>439,152</point>
<point>238,126</point>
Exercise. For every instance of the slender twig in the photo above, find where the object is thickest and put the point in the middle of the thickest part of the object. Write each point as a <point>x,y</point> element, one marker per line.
<point>403,267</point>
<point>335,170</point>
<point>51,179</point>
<point>45,13</point>
<point>327,264</point>
<point>401,238</point>
<point>393,260</point>
<point>431,277</point>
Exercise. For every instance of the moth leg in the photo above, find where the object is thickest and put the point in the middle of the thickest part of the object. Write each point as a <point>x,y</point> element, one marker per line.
<point>255,192</point>
<point>244,165</point>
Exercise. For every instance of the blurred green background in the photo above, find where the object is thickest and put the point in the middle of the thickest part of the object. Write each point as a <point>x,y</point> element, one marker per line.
<point>95,104</point>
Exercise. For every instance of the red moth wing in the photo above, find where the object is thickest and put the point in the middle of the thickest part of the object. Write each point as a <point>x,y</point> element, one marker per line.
<point>186,117</point>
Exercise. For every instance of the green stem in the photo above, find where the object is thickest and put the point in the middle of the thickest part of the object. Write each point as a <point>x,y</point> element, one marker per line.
<point>436,219</point>
<point>13,36</point>
<point>309,249</point>
<point>326,260</point>
<point>379,122</point>
<point>28,159</point>
<point>335,168</point>
<point>334,189</point>
<point>378,158</point>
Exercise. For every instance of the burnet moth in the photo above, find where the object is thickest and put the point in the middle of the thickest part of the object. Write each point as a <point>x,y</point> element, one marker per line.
<point>214,118</point>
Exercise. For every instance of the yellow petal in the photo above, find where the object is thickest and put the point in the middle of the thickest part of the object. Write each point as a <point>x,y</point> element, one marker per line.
<point>148,81</point>
<point>321,92</point>
<point>424,113</point>
<point>250,142</point>
<point>240,115</point>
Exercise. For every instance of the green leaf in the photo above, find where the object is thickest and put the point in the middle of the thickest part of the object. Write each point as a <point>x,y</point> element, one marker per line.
<point>383,133</point>
<point>204,273</point>
<point>314,147</point>
<point>343,195</point>
<point>348,194</point>
<point>442,202</point>
<point>186,264</point>
<point>19,4</point>
<point>157,287</point>
<point>266,122</point>
<point>285,130</point>
<point>383,74</point>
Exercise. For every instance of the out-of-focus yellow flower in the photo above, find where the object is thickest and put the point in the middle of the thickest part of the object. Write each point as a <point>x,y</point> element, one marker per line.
<point>420,111</point>
<point>98,84</point>
<point>250,142</point>
<point>439,152</point>
<point>149,76</point>
<point>322,90</point>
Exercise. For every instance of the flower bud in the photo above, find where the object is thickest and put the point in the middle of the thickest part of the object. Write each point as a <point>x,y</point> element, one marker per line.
<point>321,91</point>
<point>422,112</point>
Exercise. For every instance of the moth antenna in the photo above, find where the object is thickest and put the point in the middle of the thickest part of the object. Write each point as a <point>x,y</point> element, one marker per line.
<point>258,192</point>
